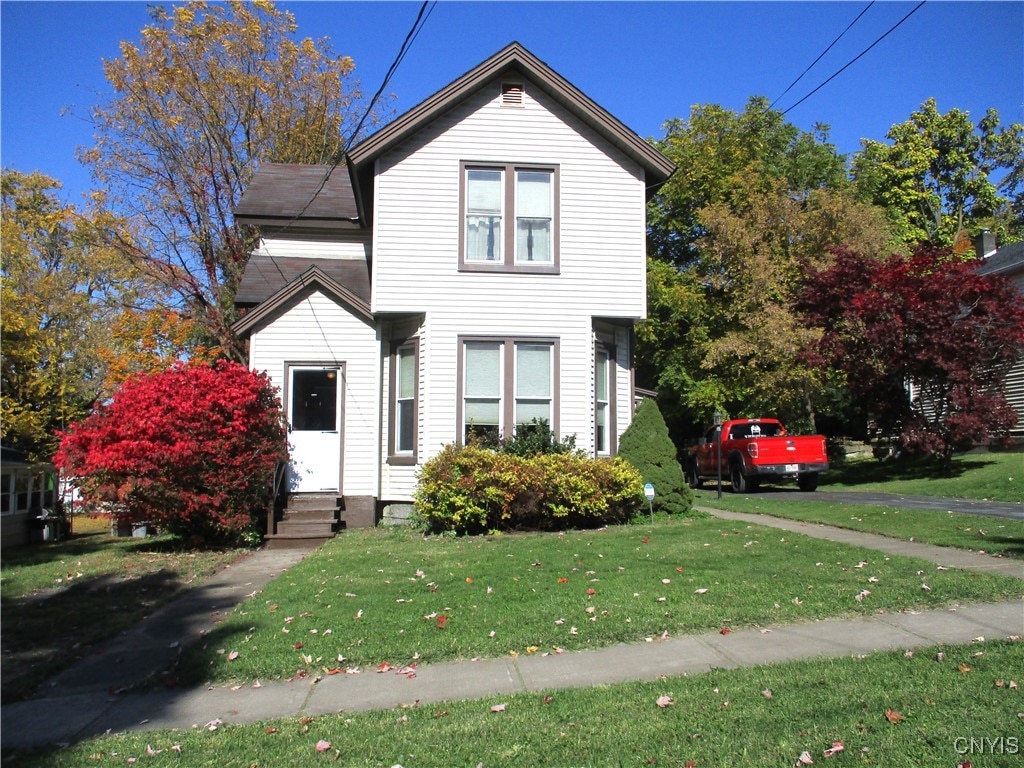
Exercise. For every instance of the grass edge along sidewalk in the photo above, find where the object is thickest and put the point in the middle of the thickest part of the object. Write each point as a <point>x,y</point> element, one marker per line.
<point>892,707</point>
<point>386,597</point>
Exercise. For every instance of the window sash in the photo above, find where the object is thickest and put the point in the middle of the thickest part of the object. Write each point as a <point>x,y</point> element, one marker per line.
<point>602,401</point>
<point>405,400</point>
<point>484,210</point>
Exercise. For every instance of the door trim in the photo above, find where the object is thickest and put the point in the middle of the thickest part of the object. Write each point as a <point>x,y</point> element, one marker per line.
<point>286,394</point>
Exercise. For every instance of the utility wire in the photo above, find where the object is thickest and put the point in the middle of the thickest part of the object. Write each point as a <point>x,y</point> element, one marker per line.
<point>855,59</point>
<point>820,55</point>
<point>421,19</point>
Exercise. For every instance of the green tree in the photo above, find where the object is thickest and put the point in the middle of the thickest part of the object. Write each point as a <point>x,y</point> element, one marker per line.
<point>937,178</point>
<point>647,446</point>
<point>61,294</point>
<point>755,204</point>
<point>208,93</point>
<point>729,158</point>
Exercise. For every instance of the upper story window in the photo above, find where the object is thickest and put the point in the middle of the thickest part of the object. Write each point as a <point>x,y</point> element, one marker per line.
<point>509,218</point>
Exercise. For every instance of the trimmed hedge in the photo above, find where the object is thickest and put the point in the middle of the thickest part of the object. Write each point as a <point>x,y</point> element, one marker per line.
<point>469,490</point>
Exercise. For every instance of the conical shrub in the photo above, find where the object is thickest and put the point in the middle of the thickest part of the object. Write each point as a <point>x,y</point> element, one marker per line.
<point>646,445</point>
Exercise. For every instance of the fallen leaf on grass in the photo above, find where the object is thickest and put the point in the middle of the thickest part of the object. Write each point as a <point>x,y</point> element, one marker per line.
<point>498,708</point>
<point>665,701</point>
<point>563,580</point>
<point>270,729</point>
<point>964,669</point>
<point>767,693</point>
<point>701,591</point>
<point>441,621</point>
<point>233,655</point>
<point>804,759</point>
<point>894,716</point>
<point>323,746</point>
<point>837,746</point>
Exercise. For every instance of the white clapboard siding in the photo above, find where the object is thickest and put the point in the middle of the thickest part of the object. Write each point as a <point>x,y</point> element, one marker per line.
<point>318,330</point>
<point>355,245</point>
<point>602,215</point>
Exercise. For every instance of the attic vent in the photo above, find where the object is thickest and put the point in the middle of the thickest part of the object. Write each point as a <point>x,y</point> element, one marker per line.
<point>512,94</point>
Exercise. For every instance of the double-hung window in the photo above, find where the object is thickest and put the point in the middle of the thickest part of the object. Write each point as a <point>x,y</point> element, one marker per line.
<point>509,218</point>
<point>604,401</point>
<point>404,402</point>
<point>505,384</point>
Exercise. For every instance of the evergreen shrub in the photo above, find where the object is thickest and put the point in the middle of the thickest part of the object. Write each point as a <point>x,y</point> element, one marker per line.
<point>647,446</point>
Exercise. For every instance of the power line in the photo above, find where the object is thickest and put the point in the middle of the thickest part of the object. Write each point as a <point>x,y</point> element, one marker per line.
<point>820,55</point>
<point>855,59</point>
<point>421,19</point>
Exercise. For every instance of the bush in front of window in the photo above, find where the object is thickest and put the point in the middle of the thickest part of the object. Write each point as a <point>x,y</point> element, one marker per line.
<point>647,446</point>
<point>472,490</point>
<point>536,438</point>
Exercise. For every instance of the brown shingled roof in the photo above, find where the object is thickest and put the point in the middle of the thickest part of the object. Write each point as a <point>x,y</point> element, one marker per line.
<point>282,194</point>
<point>265,277</point>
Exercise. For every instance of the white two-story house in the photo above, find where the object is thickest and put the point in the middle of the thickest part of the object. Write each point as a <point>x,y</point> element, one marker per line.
<point>477,263</point>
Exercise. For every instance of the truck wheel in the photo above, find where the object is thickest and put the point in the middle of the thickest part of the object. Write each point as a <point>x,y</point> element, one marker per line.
<point>807,482</point>
<point>739,481</point>
<point>693,478</point>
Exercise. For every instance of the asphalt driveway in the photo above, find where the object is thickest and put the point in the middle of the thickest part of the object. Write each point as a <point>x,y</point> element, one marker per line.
<point>1004,509</point>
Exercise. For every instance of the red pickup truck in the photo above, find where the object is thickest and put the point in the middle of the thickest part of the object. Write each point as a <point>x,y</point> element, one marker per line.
<point>757,450</point>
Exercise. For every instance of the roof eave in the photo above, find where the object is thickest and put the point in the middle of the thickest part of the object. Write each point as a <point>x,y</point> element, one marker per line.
<point>312,279</point>
<point>657,167</point>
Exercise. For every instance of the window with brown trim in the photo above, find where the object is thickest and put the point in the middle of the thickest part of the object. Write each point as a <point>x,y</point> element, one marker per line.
<point>506,383</point>
<point>404,416</point>
<point>509,219</point>
<point>604,400</point>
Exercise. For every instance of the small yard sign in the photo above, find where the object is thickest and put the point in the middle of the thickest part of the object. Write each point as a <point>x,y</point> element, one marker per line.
<point>649,493</point>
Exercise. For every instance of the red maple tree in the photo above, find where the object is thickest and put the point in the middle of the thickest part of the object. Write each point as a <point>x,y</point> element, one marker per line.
<point>191,449</point>
<point>927,323</point>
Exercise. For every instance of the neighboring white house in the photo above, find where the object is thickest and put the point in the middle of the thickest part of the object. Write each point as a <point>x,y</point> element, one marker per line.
<point>1007,260</point>
<point>479,262</point>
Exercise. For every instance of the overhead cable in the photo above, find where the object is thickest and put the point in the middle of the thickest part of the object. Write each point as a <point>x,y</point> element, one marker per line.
<point>822,54</point>
<point>856,58</point>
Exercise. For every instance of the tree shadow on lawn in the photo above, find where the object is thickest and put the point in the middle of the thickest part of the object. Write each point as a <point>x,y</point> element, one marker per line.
<point>45,633</point>
<point>865,472</point>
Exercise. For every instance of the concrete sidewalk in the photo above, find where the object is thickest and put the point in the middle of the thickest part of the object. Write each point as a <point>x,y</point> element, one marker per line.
<point>83,701</point>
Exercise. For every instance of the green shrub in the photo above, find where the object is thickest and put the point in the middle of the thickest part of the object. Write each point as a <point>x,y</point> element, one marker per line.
<point>646,445</point>
<point>536,438</point>
<point>469,489</point>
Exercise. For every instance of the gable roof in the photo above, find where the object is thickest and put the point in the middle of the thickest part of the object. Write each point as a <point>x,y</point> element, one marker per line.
<point>1007,260</point>
<point>299,197</point>
<point>513,60</point>
<point>313,279</point>
<point>264,276</point>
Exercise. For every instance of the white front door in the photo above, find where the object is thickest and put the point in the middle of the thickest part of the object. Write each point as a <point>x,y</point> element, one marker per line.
<point>314,426</point>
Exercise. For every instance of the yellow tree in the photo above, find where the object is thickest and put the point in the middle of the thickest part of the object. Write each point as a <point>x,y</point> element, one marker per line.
<point>61,293</point>
<point>208,93</point>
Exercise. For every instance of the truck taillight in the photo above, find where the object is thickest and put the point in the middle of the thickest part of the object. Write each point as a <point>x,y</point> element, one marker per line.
<point>752,450</point>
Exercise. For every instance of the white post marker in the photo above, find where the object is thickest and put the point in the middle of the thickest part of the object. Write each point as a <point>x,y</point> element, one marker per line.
<point>649,493</point>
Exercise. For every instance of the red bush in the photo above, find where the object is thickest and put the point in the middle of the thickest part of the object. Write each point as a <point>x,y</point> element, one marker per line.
<point>191,449</point>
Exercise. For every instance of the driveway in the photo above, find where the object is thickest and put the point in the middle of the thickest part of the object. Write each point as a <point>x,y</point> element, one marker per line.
<point>1004,509</point>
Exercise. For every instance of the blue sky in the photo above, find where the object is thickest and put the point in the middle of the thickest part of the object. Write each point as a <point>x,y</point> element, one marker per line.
<point>645,62</point>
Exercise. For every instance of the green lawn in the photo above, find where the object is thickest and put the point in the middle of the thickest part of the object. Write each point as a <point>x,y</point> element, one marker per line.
<point>59,599</point>
<point>394,596</point>
<point>998,536</point>
<point>888,709</point>
<point>998,476</point>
